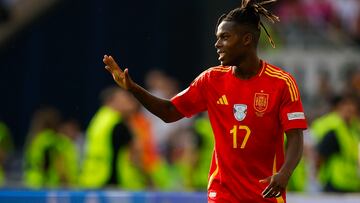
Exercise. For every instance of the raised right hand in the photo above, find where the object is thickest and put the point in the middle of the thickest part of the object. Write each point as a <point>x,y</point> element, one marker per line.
<point>122,78</point>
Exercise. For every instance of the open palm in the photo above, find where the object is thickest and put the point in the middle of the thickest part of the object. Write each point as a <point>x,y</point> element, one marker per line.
<point>120,77</point>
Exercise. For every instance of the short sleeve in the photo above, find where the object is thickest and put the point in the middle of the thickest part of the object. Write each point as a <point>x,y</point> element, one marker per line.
<point>291,110</point>
<point>192,100</point>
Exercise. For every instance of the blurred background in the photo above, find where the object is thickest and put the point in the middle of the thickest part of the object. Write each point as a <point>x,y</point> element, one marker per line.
<point>61,125</point>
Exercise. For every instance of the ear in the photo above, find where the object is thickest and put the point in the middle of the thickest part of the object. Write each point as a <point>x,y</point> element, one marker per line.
<point>247,39</point>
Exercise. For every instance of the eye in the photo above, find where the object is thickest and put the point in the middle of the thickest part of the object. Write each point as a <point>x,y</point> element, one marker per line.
<point>225,37</point>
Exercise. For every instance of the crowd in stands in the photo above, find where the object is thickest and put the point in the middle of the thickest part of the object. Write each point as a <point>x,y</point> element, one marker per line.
<point>123,146</point>
<point>308,23</point>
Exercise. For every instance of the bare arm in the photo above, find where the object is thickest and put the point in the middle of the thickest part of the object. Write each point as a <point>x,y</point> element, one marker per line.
<point>294,150</point>
<point>279,181</point>
<point>162,108</point>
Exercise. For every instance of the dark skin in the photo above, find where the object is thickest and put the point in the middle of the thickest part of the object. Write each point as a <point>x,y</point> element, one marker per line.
<point>236,46</point>
<point>162,108</point>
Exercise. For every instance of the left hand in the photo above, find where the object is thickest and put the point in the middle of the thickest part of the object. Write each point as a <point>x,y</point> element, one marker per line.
<point>277,185</point>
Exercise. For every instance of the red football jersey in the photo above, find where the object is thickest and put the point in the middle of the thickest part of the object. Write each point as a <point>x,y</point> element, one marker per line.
<point>249,118</point>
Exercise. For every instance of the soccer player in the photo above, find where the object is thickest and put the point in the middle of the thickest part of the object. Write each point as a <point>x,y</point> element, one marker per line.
<point>250,103</point>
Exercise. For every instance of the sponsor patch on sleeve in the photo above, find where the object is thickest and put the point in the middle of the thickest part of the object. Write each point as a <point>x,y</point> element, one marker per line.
<point>296,116</point>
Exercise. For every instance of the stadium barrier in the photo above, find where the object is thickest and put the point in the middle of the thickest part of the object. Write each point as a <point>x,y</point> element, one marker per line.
<point>106,196</point>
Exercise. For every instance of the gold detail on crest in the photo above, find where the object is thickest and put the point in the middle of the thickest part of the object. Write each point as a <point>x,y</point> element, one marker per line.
<point>261,101</point>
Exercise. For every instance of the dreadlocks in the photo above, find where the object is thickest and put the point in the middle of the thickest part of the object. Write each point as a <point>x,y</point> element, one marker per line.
<point>249,14</point>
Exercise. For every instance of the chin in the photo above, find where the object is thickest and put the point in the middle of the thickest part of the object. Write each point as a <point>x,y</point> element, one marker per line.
<point>224,63</point>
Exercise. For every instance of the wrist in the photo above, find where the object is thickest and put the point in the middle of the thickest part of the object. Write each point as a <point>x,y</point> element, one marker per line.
<point>132,87</point>
<point>286,173</point>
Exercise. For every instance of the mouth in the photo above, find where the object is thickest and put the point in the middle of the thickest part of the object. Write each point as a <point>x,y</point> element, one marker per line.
<point>221,55</point>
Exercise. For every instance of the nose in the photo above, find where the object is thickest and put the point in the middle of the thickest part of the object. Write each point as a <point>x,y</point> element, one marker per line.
<point>217,44</point>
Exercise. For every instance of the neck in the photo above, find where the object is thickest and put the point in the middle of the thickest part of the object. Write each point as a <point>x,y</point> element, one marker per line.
<point>248,67</point>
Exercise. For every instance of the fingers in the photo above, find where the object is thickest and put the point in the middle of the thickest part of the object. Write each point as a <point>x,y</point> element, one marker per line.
<point>266,180</point>
<point>126,73</point>
<point>108,69</point>
<point>110,63</point>
<point>112,67</point>
<point>122,78</point>
<point>267,191</point>
<point>128,79</point>
<point>109,60</point>
<point>272,190</point>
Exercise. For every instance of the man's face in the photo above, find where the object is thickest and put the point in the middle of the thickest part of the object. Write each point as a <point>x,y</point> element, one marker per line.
<point>229,43</point>
<point>124,102</point>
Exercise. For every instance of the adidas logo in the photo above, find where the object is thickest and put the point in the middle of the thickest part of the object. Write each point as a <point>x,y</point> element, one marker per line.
<point>222,100</point>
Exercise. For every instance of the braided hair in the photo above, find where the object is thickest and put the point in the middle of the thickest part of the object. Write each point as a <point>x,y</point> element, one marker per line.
<point>248,14</point>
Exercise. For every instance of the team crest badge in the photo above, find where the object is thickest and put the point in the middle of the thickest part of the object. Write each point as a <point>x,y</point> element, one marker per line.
<point>240,111</point>
<point>261,101</point>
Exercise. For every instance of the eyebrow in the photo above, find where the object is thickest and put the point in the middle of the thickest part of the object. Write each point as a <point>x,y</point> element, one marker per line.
<point>222,33</point>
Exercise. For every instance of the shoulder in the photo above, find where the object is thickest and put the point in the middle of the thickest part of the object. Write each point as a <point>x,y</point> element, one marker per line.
<point>277,73</point>
<point>286,81</point>
<point>214,72</point>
